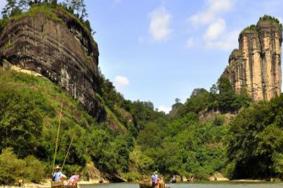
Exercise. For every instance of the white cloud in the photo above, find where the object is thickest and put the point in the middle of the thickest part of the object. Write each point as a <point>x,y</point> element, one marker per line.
<point>190,42</point>
<point>220,5</point>
<point>215,35</point>
<point>212,10</point>
<point>218,37</point>
<point>202,18</point>
<point>159,26</point>
<point>121,81</point>
<point>215,29</point>
<point>227,41</point>
<point>164,108</point>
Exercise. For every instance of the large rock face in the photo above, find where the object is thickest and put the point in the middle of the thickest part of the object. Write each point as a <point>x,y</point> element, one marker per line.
<point>255,67</point>
<point>60,49</point>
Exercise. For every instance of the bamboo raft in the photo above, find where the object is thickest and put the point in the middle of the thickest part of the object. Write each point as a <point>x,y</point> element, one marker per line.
<point>61,185</point>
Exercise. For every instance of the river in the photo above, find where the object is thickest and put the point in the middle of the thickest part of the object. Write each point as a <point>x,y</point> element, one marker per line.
<point>224,185</point>
<point>228,185</point>
<point>111,185</point>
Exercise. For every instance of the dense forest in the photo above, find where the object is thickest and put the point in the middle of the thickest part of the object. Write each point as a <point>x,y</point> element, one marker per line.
<point>212,131</point>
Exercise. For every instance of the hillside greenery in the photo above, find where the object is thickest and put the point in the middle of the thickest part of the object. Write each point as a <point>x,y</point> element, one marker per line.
<point>30,110</point>
<point>183,142</point>
<point>214,131</point>
<point>255,148</point>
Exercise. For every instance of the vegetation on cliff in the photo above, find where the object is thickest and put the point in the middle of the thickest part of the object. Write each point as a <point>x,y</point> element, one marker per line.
<point>198,141</point>
<point>235,53</point>
<point>15,10</point>
<point>181,143</point>
<point>272,21</point>
<point>221,97</point>
<point>186,144</point>
<point>29,112</point>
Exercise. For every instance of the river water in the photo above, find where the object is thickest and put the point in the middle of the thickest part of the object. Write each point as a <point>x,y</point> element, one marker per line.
<point>111,185</point>
<point>228,185</point>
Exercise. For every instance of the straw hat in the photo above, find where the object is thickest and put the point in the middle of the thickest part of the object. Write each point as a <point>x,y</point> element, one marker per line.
<point>57,167</point>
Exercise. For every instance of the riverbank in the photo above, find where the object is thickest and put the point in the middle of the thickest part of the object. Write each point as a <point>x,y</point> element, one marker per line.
<point>234,184</point>
<point>47,184</point>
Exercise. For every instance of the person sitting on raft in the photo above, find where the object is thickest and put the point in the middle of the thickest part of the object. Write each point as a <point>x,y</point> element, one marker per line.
<point>154,179</point>
<point>58,176</point>
<point>73,180</point>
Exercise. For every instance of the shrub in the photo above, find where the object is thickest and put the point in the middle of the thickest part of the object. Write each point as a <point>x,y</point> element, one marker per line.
<point>34,170</point>
<point>12,168</point>
<point>132,176</point>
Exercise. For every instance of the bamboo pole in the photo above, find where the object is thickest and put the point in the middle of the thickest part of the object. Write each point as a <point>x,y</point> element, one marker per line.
<point>57,138</point>
<point>67,153</point>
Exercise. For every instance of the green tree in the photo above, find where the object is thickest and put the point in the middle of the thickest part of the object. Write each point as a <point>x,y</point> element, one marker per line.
<point>198,101</point>
<point>175,109</point>
<point>78,7</point>
<point>226,95</point>
<point>10,9</point>
<point>257,141</point>
<point>12,168</point>
<point>34,169</point>
<point>20,121</point>
<point>84,13</point>
<point>23,4</point>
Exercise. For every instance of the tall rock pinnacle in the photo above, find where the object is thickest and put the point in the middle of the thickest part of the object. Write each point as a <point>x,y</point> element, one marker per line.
<point>255,68</point>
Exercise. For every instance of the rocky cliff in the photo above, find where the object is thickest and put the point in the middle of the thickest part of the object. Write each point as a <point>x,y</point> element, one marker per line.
<point>55,44</point>
<point>255,68</point>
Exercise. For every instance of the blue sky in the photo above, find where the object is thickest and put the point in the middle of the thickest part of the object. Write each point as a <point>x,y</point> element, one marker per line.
<point>159,50</point>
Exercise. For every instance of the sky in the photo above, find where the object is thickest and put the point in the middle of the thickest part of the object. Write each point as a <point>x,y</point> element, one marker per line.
<point>160,50</point>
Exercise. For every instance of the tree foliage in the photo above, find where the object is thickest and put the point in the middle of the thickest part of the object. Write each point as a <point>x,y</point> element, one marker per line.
<point>29,113</point>
<point>75,7</point>
<point>256,145</point>
<point>221,97</point>
<point>20,120</point>
<point>12,8</point>
<point>184,146</point>
<point>14,169</point>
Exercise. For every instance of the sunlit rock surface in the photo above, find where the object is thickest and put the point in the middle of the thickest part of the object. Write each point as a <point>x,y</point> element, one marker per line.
<point>255,68</point>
